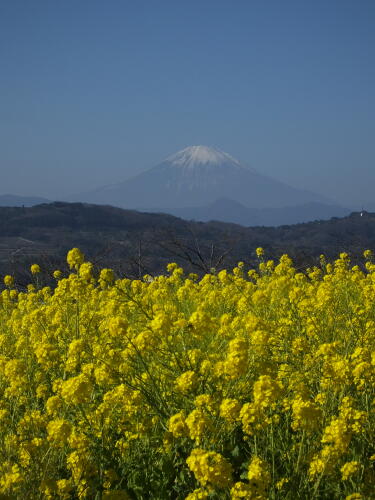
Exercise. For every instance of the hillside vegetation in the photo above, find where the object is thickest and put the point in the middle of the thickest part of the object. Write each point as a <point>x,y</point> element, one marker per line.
<point>136,243</point>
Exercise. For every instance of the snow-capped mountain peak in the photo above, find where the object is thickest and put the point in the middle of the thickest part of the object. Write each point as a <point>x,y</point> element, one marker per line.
<point>201,155</point>
<point>197,176</point>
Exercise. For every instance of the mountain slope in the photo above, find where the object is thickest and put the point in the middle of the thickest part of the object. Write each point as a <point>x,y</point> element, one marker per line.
<point>195,176</point>
<point>226,210</point>
<point>11,200</point>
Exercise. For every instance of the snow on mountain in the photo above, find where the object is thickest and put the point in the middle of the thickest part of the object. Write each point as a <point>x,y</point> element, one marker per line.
<point>196,176</point>
<point>201,155</point>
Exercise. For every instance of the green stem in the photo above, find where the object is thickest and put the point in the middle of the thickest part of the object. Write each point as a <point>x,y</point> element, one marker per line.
<point>300,450</point>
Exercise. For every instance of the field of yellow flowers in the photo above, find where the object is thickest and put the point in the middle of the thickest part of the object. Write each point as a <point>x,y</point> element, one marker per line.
<point>239,385</point>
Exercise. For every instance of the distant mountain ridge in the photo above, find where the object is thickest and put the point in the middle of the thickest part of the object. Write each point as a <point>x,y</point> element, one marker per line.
<point>203,183</point>
<point>224,210</point>
<point>227,210</point>
<point>11,200</point>
<point>197,176</point>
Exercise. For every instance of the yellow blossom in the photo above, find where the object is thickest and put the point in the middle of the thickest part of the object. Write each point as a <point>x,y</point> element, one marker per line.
<point>35,269</point>
<point>210,468</point>
<point>348,469</point>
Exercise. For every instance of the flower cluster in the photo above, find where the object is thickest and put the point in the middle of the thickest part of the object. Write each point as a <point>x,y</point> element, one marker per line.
<point>243,384</point>
<point>210,468</point>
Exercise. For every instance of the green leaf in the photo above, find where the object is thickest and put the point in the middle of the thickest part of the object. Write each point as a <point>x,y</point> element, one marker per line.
<point>235,451</point>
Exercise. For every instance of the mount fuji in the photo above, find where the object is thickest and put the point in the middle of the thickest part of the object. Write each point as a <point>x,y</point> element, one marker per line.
<point>196,176</point>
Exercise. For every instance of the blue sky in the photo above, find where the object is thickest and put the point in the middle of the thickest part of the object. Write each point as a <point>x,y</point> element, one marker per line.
<point>92,92</point>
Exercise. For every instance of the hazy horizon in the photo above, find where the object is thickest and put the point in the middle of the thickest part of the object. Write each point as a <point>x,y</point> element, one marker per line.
<point>94,93</point>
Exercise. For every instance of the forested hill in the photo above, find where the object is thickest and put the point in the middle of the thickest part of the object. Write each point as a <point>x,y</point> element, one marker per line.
<point>137,243</point>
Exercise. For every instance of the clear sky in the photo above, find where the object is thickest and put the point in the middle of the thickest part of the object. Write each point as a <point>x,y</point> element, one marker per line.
<point>92,92</point>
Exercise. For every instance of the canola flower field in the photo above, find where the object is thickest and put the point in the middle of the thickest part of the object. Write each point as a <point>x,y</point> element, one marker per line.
<point>239,385</point>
